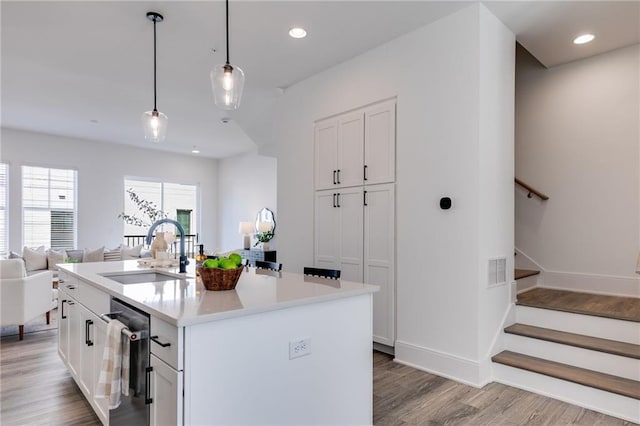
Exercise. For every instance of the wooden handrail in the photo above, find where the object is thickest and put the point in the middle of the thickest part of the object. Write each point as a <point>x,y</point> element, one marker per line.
<point>532,190</point>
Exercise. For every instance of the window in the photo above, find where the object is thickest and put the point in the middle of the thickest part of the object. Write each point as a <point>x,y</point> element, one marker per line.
<point>49,207</point>
<point>177,200</point>
<point>4,210</point>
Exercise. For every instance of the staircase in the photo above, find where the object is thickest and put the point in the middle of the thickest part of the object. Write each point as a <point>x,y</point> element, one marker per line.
<point>580,348</point>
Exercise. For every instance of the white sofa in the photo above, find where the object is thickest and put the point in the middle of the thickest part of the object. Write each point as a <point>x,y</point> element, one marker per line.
<point>22,297</point>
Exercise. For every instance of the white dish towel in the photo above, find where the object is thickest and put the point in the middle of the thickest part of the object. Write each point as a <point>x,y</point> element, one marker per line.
<point>114,371</point>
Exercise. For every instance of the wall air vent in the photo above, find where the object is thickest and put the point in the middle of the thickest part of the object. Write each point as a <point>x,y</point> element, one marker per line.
<point>497,271</point>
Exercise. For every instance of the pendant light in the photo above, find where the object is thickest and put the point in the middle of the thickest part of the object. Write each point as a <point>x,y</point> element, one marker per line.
<point>227,81</point>
<point>154,122</point>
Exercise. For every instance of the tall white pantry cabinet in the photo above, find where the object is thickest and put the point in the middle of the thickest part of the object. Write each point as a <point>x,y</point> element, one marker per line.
<point>354,159</point>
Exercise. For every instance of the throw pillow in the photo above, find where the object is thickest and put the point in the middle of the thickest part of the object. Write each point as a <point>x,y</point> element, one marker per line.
<point>74,256</point>
<point>96,255</point>
<point>54,257</point>
<point>14,255</point>
<point>130,252</point>
<point>34,259</point>
<point>112,255</point>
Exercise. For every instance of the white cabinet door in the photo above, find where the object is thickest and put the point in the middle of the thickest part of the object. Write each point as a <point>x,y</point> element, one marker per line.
<point>350,150</point>
<point>63,327</point>
<point>85,373</point>
<point>380,143</point>
<point>379,258</point>
<point>327,230</point>
<point>166,394</point>
<point>350,202</point>
<point>75,336</point>
<point>98,335</point>
<point>326,154</point>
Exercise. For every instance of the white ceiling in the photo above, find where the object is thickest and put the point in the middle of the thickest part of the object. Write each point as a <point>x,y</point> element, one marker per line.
<point>65,64</point>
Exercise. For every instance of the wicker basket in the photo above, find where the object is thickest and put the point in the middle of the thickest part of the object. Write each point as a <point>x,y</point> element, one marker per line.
<point>220,279</point>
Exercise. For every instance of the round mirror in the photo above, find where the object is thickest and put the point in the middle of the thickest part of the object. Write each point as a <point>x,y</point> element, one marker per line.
<point>265,224</point>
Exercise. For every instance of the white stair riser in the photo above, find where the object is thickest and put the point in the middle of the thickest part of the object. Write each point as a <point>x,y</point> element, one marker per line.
<point>573,393</point>
<point>577,357</point>
<point>605,328</point>
<point>526,284</point>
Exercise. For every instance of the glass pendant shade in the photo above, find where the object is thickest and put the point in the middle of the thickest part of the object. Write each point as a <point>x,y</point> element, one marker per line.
<point>154,124</point>
<point>227,83</point>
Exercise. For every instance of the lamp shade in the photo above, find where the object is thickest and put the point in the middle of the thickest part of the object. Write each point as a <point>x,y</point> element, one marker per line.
<point>227,83</point>
<point>246,228</point>
<point>154,124</point>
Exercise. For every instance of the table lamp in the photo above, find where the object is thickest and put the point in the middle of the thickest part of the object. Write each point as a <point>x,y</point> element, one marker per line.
<point>246,229</point>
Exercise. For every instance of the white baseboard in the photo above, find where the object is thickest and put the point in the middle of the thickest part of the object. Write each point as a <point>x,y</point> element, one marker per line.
<point>592,283</point>
<point>442,364</point>
<point>522,261</point>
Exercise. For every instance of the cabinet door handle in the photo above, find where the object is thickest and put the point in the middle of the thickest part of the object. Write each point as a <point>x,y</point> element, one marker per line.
<point>62,315</point>
<point>334,177</point>
<point>365,172</point>
<point>71,302</point>
<point>71,287</point>
<point>338,205</point>
<point>60,281</point>
<point>155,340</point>
<point>338,178</point>
<point>334,200</point>
<point>147,391</point>
<point>87,340</point>
<point>365,198</point>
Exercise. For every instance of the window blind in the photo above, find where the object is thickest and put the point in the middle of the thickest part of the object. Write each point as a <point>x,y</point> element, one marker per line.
<point>49,207</point>
<point>4,209</point>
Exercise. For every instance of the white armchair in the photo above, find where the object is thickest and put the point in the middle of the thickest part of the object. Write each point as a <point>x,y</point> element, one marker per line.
<point>22,297</point>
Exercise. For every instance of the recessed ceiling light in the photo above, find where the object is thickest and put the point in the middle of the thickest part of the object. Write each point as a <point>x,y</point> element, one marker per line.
<point>94,121</point>
<point>584,38</point>
<point>195,151</point>
<point>297,32</point>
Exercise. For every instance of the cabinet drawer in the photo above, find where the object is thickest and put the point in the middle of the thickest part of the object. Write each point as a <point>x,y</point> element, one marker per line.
<point>166,342</point>
<point>67,283</point>
<point>93,299</point>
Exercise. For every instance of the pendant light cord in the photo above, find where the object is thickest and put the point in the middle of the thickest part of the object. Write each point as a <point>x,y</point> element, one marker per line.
<point>155,94</point>
<point>227,10</point>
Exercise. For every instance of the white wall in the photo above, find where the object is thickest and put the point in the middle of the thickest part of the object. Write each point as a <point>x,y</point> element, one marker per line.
<point>101,170</point>
<point>577,140</point>
<point>439,80</point>
<point>496,170</point>
<point>246,184</point>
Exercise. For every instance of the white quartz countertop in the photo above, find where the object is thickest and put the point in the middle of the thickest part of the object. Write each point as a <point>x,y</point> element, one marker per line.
<point>184,301</point>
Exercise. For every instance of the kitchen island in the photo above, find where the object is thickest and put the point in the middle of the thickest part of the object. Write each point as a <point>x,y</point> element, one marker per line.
<point>281,348</point>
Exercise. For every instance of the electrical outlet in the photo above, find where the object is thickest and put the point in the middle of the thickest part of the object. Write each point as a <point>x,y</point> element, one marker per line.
<point>298,348</point>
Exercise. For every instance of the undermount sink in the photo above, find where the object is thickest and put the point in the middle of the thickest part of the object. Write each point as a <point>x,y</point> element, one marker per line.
<point>141,277</point>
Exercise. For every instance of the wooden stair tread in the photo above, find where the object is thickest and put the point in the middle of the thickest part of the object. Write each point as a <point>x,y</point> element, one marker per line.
<point>616,307</point>
<point>582,376</point>
<point>613,347</point>
<point>524,273</point>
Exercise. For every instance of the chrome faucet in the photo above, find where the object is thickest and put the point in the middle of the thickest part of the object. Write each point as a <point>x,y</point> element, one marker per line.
<point>183,257</point>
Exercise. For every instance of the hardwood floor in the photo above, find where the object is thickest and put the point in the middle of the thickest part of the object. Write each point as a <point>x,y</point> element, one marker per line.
<point>405,396</point>
<point>36,389</point>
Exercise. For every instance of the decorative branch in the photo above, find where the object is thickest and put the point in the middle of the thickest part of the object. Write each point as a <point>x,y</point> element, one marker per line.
<point>147,208</point>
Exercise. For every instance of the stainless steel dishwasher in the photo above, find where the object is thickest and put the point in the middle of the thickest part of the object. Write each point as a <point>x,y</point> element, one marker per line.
<point>134,408</point>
